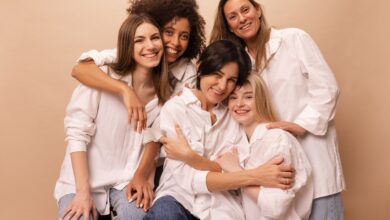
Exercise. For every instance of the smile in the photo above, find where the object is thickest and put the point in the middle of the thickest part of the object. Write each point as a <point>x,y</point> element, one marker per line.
<point>245,26</point>
<point>170,50</point>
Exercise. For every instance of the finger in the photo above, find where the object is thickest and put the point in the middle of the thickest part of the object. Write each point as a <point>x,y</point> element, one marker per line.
<point>76,215</point>
<point>145,119</point>
<point>235,151</point>
<point>164,140</point>
<point>146,199</point>
<point>151,197</point>
<point>130,115</point>
<point>277,160</point>
<point>135,119</point>
<point>94,212</point>
<point>85,215</point>
<point>65,212</point>
<point>139,196</point>
<point>179,132</point>
<point>141,119</point>
<point>129,192</point>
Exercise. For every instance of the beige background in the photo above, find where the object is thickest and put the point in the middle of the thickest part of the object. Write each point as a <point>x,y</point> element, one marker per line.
<point>40,40</point>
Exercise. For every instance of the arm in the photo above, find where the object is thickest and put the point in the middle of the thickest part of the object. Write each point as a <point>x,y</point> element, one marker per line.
<point>88,72</point>
<point>322,86</point>
<point>179,149</point>
<point>80,127</point>
<point>141,185</point>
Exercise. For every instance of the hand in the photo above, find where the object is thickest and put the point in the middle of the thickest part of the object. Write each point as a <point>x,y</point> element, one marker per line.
<point>274,174</point>
<point>140,189</point>
<point>229,161</point>
<point>135,109</point>
<point>81,205</point>
<point>177,148</point>
<point>293,128</point>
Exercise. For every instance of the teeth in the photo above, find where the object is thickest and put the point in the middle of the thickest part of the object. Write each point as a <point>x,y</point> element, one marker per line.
<point>245,26</point>
<point>151,55</point>
<point>172,51</point>
<point>241,111</point>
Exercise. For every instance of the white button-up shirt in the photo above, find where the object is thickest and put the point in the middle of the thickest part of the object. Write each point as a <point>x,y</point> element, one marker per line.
<point>305,92</point>
<point>188,185</point>
<point>274,203</point>
<point>97,122</point>
<point>181,73</point>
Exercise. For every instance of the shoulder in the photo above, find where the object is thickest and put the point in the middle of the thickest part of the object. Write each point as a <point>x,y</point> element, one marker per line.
<point>279,137</point>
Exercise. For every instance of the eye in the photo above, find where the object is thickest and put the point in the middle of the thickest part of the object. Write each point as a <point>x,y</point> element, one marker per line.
<point>245,9</point>
<point>168,32</point>
<point>138,40</point>
<point>156,37</point>
<point>233,80</point>
<point>248,97</point>
<point>184,36</point>
<point>232,97</point>
<point>232,17</point>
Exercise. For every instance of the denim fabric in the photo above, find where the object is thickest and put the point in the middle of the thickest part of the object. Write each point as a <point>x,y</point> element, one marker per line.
<point>64,202</point>
<point>327,208</point>
<point>167,208</point>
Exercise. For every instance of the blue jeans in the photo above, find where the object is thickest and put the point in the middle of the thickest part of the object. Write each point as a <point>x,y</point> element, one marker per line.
<point>327,208</point>
<point>168,208</point>
<point>118,199</point>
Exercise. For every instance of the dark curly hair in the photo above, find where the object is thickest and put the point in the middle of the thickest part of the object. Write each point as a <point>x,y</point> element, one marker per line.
<point>163,11</point>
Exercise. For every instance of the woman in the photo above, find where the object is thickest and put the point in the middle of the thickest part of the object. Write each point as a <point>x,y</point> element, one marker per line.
<point>183,38</point>
<point>210,131</point>
<point>103,151</point>
<point>302,87</point>
<point>250,106</point>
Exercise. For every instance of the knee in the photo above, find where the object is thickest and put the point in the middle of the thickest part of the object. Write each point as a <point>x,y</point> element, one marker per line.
<point>129,211</point>
<point>166,208</point>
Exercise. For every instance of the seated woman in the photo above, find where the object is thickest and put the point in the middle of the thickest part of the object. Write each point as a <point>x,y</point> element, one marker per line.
<point>210,131</point>
<point>103,150</point>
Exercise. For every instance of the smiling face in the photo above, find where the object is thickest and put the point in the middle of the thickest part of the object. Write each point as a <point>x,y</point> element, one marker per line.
<point>242,105</point>
<point>243,18</point>
<point>148,47</point>
<point>217,86</point>
<point>176,35</point>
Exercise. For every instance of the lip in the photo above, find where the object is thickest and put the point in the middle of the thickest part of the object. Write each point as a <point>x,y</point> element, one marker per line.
<point>241,111</point>
<point>245,26</point>
<point>172,51</point>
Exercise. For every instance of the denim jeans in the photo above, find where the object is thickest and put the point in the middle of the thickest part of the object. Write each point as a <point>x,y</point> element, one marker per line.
<point>167,208</point>
<point>118,199</point>
<point>327,208</point>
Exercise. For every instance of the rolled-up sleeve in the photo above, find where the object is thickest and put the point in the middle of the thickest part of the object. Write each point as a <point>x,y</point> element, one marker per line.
<point>80,115</point>
<point>322,86</point>
<point>100,58</point>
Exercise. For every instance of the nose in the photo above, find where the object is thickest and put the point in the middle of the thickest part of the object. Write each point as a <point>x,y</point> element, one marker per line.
<point>150,45</point>
<point>241,18</point>
<point>175,40</point>
<point>222,84</point>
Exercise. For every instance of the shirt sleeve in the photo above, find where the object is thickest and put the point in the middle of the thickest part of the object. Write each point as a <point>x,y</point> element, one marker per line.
<point>80,116</point>
<point>100,58</point>
<point>274,202</point>
<point>322,86</point>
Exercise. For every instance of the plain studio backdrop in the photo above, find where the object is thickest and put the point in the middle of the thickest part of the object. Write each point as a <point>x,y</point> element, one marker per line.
<point>41,39</point>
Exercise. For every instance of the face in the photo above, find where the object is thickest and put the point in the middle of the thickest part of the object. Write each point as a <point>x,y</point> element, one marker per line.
<point>148,47</point>
<point>242,105</point>
<point>217,86</point>
<point>243,18</point>
<point>176,35</point>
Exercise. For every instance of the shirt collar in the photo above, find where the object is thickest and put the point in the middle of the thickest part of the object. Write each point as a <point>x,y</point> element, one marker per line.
<point>272,46</point>
<point>178,68</point>
<point>259,132</point>
<point>189,97</point>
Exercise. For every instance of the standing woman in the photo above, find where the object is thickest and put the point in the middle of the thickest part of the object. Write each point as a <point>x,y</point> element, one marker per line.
<point>302,87</point>
<point>103,150</point>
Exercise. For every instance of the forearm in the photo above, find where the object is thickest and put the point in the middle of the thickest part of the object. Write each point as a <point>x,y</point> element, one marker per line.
<point>80,171</point>
<point>147,163</point>
<point>88,73</point>
<point>227,181</point>
<point>252,192</point>
<point>201,163</point>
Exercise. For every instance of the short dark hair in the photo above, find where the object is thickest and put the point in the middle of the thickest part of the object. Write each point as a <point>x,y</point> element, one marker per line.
<point>218,54</point>
<point>164,11</point>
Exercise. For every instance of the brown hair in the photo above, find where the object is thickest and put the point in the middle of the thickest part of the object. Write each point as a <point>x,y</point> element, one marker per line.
<point>221,31</point>
<point>125,62</point>
<point>263,102</point>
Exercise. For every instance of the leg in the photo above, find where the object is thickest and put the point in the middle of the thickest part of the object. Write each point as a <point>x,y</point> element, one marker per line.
<point>167,208</point>
<point>124,210</point>
<point>64,202</point>
<point>327,208</point>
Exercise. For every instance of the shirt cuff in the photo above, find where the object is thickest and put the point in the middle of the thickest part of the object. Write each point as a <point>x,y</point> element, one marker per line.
<point>273,203</point>
<point>199,183</point>
<point>312,121</point>
<point>90,55</point>
<point>76,145</point>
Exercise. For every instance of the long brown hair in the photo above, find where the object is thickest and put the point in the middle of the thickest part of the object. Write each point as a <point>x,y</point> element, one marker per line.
<point>125,62</point>
<point>221,31</point>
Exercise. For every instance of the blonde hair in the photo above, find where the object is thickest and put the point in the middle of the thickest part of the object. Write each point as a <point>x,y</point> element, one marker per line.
<point>221,31</point>
<point>263,102</point>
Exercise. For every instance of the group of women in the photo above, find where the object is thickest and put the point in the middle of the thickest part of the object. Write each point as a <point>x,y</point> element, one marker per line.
<point>247,134</point>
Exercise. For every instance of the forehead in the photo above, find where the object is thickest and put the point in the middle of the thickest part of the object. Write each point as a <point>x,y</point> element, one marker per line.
<point>146,29</point>
<point>178,23</point>
<point>234,5</point>
<point>230,69</point>
<point>246,88</point>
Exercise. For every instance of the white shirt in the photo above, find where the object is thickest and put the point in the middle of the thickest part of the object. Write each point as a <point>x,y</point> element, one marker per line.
<point>181,73</point>
<point>304,91</point>
<point>96,122</point>
<point>274,203</point>
<point>188,185</point>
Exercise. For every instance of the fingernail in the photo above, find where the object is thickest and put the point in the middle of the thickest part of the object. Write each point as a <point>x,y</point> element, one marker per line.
<point>130,200</point>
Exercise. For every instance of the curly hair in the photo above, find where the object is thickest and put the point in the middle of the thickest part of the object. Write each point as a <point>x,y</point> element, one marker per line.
<point>163,11</point>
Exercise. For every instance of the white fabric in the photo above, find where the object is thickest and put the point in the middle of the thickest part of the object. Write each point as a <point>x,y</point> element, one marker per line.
<point>304,91</point>
<point>96,122</point>
<point>185,184</point>
<point>274,203</point>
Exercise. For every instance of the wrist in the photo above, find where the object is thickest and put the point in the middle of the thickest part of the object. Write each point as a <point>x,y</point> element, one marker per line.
<point>84,189</point>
